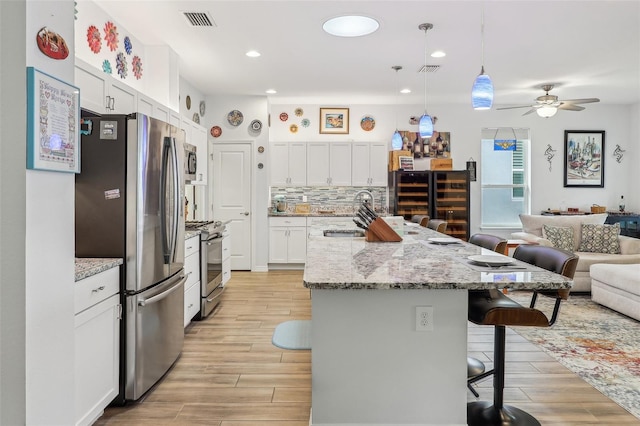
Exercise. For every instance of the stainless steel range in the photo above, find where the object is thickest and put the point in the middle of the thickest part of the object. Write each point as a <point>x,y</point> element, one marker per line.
<point>212,234</point>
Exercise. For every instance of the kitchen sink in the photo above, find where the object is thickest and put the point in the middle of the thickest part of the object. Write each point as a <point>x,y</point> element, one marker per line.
<point>343,233</point>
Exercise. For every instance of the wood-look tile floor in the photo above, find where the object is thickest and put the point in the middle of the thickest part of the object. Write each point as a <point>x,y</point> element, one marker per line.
<point>229,373</point>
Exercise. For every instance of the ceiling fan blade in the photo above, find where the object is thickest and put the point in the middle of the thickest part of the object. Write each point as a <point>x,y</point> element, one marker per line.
<point>530,111</point>
<point>521,106</point>
<point>580,101</point>
<point>571,107</point>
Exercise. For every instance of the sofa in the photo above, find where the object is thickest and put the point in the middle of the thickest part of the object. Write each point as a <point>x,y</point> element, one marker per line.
<point>617,287</point>
<point>566,232</point>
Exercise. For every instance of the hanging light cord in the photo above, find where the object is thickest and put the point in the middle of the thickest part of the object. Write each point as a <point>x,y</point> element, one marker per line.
<point>426,28</point>
<point>397,68</point>
<point>482,38</point>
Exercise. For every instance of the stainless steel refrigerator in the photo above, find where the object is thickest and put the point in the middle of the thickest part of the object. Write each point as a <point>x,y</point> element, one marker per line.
<point>130,205</point>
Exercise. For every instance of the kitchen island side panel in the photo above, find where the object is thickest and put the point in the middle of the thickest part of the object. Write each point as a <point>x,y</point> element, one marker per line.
<point>371,366</point>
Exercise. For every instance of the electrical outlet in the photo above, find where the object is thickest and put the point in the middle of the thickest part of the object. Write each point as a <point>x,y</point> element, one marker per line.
<point>424,318</point>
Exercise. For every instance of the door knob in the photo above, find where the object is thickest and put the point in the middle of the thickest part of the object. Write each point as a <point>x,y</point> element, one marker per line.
<point>245,213</point>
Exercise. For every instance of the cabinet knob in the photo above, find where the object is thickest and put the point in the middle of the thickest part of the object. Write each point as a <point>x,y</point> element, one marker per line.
<point>95,290</point>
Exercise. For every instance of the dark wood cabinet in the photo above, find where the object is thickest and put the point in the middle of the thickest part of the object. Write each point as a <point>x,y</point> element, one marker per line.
<point>441,194</point>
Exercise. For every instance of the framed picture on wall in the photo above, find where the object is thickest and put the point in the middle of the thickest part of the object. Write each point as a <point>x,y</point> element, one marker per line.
<point>334,121</point>
<point>584,158</point>
<point>53,123</point>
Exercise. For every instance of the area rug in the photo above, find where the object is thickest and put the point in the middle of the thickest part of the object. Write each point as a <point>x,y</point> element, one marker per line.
<point>598,344</point>
<point>294,334</point>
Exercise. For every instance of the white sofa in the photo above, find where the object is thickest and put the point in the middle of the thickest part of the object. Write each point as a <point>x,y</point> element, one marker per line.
<point>617,287</point>
<point>532,232</point>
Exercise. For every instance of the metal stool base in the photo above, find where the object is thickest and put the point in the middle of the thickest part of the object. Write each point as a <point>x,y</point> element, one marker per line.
<point>484,413</point>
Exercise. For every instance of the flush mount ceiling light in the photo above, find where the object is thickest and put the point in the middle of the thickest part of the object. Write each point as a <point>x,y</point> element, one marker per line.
<point>253,54</point>
<point>425,126</point>
<point>396,139</point>
<point>482,91</point>
<point>350,26</point>
<point>271,91</point>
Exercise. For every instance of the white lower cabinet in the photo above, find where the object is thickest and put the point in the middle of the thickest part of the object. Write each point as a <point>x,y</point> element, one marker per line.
<point>287,240</point>
<point>192,285</point>
<point>97,344</point>
<point>226,255</point>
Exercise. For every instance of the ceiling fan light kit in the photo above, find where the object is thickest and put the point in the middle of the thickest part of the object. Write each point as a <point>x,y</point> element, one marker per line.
<point>547,105</point>
<point>482,91</point>
<point>425,126</point>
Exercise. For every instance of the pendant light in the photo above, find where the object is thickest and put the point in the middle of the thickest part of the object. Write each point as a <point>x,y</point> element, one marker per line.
<point>482,91</point>
<point>425,126</point>
<point>396,139</point>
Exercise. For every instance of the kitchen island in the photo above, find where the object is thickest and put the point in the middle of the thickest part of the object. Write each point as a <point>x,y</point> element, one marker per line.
<point>370,365</point>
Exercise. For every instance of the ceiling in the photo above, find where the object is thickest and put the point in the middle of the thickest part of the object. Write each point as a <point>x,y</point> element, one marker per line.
<point>587,48</point>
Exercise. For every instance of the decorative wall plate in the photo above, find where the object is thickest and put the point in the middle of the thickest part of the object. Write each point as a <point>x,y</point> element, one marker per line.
<point>111,35</point>
<point>261,149</point>
<point>52,44</point>
<point>256,125</point>
<point>196,117</point>
<point>215,131</point>
<point>367,123</point>
<point>203,107</point>
<point>188,102</point>
<point>235,118</point>
<point>305,122</point>
<point>127,45</point>
<point>293,128</point>
<point>94,39</point>
<point>298,112</point>
<point>284,116</point>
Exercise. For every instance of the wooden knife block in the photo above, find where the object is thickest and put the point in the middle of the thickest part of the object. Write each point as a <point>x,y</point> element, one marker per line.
<point>380,231</point>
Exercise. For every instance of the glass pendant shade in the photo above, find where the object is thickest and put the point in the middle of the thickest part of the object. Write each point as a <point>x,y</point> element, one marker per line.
<point>482,92</point>
<point>396,141</point>
<point>547,111</point>
<point>425,127</point>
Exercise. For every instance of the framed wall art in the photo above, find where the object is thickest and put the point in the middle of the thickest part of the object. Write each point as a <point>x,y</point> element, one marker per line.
<point>334,121</point>
<point>53,123</point>
<point>583,158</point>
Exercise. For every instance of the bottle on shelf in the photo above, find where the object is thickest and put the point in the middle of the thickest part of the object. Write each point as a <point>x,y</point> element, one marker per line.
<point>621,204</point>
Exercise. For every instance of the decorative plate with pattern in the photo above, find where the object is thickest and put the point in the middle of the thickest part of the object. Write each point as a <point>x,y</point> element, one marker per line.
<point>106,66</point>
<point>305,122</point>
<point>188,102</point>
<point>284,116</point>
<point>203,108</point>
<point>367,123</point>
<point>215,131</point>
<point>298,112</point>
<point>121,65</point>
<point>127,45</point>
<point>94,39</point>
<point>136,65</point>
<point>293,128</point>
<point>256,125</point>
<point>111,35</point>
<point>235,118</point>
<point>196,117</point>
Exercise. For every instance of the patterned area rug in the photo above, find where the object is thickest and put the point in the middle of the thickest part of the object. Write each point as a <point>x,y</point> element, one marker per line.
<point>598,344</point>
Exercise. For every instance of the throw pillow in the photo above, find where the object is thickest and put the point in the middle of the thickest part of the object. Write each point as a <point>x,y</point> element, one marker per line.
<point>600,239</point>
<point>559,236</point>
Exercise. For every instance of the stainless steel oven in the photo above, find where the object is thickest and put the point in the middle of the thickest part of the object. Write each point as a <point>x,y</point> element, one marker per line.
<point>211,288</point>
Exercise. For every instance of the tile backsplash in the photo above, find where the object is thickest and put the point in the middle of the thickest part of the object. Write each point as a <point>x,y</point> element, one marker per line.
<point>323,197</point>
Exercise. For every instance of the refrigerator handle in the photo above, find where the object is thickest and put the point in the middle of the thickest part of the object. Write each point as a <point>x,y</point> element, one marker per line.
<point>177,198</point>
<point>164,294</point>
<point>166,247</point>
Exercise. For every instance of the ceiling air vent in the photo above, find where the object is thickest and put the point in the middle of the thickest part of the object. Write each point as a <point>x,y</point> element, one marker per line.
<point>429,68</point>
<point>199,19</point>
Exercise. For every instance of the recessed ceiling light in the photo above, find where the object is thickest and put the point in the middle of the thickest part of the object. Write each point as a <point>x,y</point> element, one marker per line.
<point>252,54</point>
<point>271,91</point>
<point>438,54</point>
<point>405,91</point>
<point>350,26</point>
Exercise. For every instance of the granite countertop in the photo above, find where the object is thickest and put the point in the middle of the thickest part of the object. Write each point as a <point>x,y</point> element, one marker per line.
<point>189,233</point>
<point>414,263</point>
<point>87,267</point>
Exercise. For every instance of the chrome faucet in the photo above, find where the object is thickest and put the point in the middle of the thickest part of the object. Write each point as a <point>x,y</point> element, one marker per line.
<point>365,192</point>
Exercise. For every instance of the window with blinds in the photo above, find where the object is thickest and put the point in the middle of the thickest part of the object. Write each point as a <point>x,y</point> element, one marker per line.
<point>504,177</point>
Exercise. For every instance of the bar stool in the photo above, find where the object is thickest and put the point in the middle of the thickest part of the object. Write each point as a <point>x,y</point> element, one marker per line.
<point>438,225</point>
<point>421,219</point>
<point>475,367</point>
<point>492,307</point>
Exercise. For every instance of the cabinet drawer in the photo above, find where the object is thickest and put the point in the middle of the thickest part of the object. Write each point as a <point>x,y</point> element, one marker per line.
<point>96,288</point>
<point>191,302</point>
<point>192,269</point>
<point>287,221</point>
<point>192,245</point>
<point>226,270</point>
<point>226,248</point>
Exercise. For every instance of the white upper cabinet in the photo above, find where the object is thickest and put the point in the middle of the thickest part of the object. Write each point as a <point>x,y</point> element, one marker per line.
<point>152,108</point>
<point>329,163</point>
<point>288,163</point>
<point>369,164</point>
<point>101,93</point>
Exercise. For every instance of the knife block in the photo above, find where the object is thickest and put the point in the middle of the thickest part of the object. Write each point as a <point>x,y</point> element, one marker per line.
<point>380,231</point>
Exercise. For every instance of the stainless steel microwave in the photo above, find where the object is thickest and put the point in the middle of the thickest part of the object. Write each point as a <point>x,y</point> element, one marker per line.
<point>190,162</point>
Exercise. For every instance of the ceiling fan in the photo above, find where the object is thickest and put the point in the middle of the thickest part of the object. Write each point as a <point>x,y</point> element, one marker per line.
<point>547,105</point>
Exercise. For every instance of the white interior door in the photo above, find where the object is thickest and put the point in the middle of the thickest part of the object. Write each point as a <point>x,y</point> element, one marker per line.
<point>231,197</point>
